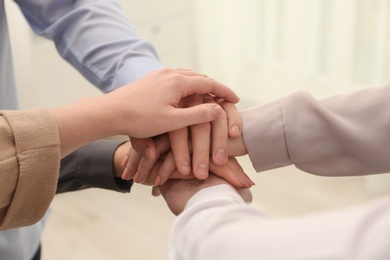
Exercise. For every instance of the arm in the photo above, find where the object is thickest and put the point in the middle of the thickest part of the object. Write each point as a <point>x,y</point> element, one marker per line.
<point>339,135</point>
<point>35,140</point>
<point>95,37</point>
<point>95,165</point>
<point>216,223</point>
<point>111,61</point>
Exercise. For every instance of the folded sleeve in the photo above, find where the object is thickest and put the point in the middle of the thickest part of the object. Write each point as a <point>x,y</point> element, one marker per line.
<point>29,165</point>
<point>342,135</point>
<point>91,166</point>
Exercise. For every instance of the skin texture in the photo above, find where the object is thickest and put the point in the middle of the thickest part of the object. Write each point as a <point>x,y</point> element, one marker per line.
<point>231,171</point>
<point>177,192</point>
<point>123,111</point>
<point>226,139</point>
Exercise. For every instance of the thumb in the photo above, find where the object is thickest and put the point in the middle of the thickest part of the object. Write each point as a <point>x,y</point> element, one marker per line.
<point>198,114</point>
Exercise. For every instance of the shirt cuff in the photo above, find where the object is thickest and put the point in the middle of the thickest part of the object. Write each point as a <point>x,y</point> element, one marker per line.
<point>134,69</point>
<point>91,167</point>
<point>264,136</point>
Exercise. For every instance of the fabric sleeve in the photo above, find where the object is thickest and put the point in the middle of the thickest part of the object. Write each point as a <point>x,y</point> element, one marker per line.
<point>338,136</point>
<point>91,167</point>
<point>217,224</point>
<point>95,37</point>
<point>29,165</point>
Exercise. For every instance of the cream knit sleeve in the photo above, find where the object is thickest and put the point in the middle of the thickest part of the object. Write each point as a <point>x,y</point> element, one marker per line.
<point>29,166</point>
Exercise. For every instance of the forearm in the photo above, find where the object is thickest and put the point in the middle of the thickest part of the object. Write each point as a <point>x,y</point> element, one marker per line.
<point>93,166</point>
<point>216,226</point>
<point>340,135</point>
<point>83,122</point>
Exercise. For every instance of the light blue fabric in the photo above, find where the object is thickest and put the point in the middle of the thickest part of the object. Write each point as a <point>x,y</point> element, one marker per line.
<point>98,40</point>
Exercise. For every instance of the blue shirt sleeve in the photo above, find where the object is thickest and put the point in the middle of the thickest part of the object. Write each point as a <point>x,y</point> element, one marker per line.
<point>95,37</point>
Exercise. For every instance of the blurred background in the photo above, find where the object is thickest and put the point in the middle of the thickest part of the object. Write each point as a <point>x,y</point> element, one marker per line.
<point>263,49</point>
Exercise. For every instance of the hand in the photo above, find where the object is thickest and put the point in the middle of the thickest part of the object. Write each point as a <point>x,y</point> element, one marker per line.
<point>144,108</point>
<point>231,171</point>
<point>227,125</point>
<point>203,137</point>
<point>151,105</point>
<point>120,153</point>
<point>177,192</point>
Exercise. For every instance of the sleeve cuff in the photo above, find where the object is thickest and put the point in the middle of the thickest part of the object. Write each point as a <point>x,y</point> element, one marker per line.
<point>134,69</point>
<point>264,136</point>
<point>91,167</point>
<point>37,145</point>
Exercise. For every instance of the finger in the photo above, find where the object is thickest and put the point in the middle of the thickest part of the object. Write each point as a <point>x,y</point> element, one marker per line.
<point>180,150</point>
<point>189,72</point>
<point>132,164</point>
<point>125,160</point>
<point>149,158</point>
<point>202,85</point>
<point>167,167</point>
<point>219,136</point>
<point>156,191</point>
<point>151,179</point>
<point>233,173</point>
<point>176,175</point>
<point>233,118</point>
<point>152,149</point>
<point>147,149</point>
<point>200,139</point>
<point>141,144</point>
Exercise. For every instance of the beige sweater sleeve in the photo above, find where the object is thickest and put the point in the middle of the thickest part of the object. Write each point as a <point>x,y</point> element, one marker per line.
<point>29,166</point>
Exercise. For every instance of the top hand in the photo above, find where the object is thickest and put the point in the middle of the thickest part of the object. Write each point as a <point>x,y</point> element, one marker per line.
<point>144,108</point>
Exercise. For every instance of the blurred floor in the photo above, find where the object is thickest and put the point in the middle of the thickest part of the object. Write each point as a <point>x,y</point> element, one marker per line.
<point>104,225</point>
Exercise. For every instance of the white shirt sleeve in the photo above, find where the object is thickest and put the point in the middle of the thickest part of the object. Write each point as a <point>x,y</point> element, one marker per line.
<point>217,224</point>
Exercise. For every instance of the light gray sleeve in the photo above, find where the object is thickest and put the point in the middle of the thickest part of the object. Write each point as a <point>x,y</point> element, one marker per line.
<point>338,136</point>
<point>95,37</point>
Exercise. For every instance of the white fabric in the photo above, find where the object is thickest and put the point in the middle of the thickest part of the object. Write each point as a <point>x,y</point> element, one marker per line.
<point>217,225</point>
<point>343,135</point>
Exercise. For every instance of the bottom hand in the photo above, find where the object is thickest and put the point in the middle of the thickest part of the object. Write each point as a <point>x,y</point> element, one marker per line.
<point>177,192</point>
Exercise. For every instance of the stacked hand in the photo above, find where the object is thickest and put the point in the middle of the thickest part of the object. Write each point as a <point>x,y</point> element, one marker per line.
<point>176,147</point>
<point>147,107</point>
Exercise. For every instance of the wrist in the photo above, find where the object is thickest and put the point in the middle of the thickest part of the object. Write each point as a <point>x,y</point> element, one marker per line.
<point>119,154</point>
<point>82,122</point>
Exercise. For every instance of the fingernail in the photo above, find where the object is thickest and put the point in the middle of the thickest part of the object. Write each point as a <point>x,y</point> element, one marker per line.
<point>136,178</point>
<point>203,169</point>
<point>236,129</point>
<point>124,161</point>
<point>221,154</point>
<point>245,182</point>
<point>157,181</point>
<point>125,174</point>
<point>216,111</point>
<point>185,167</point>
